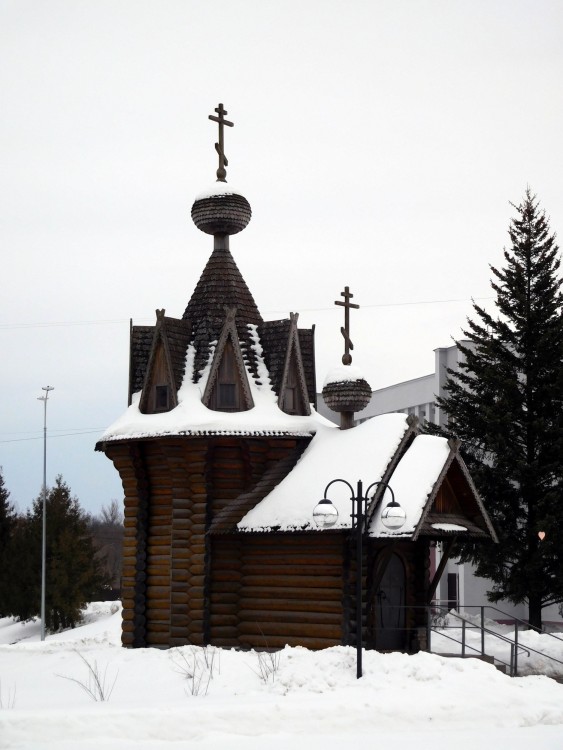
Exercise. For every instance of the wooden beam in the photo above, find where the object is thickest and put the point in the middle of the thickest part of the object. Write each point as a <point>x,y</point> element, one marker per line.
<point>440,569</point>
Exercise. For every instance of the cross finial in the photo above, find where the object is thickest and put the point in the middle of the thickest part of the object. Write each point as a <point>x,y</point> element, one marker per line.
<point>223,161</point>
<point>348,345</point>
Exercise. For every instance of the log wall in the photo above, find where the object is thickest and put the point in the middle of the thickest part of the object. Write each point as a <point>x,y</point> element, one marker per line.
<point>181,586</point>
<point>274,589</point>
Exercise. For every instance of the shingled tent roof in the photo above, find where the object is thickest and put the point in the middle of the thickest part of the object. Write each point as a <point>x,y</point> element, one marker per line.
<point>221,285</point>
<point>178,336</point>
<point>139,351</point>
<point>273,337</point>
<point>307,344</point>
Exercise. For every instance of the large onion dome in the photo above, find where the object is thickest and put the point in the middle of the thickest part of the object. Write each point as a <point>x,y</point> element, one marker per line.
<point>221,210</point>
<point>345,389</point>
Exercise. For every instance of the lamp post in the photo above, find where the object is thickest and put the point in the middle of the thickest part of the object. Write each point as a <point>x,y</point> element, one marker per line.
<point>44,398</point>
<point>392,517</point>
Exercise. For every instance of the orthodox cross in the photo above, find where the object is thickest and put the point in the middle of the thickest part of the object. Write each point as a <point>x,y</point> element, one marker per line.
<point>346,357</point>
<point>223,162</point>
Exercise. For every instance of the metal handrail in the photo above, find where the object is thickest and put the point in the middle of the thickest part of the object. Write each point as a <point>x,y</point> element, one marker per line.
<point>515,647</point>
<point>527,624</point>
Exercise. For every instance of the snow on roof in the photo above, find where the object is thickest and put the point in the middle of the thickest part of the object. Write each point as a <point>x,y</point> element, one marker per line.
<point>343,374</point>
<point>191,417</point>
<point>412,482</point>
<point>448,527</point>
<point>363,452</point>
<point>217,189</point>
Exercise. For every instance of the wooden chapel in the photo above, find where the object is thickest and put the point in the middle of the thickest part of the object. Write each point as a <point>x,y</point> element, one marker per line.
<point>222,458</point>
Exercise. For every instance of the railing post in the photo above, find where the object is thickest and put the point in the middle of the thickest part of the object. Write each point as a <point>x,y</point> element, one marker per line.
<point>515,649</point>
<point>482,630</point>
<point>463,637</point>
<point>428,628</point>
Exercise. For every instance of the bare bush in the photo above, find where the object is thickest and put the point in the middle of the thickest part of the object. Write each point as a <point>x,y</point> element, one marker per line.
<point>96,684</point>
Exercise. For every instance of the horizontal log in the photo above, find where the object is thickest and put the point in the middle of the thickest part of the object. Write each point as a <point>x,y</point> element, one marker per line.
<point>291,592</point>
<point>223,631</point>
<point>333,571</point>
<point>179,598</point>
<point>226,599</point>
<point>292,548</point>
<point>179,577</point>
<point>158,550</point>
<point>224,642</point>
<point>196,639</point>
<point>226,587</point>
<point>290,616</point>
<point>224,621</point>
<point>287,629</point>
<point>158,639</point>
<point>158,580</point>
<point>158,627</point>
<point>160,559</point>
<point>178,641</point>
<point>157,592</point>
<point>197,571</point>
<point>285,581</point>
<point>282,604</point>
<point>158,570</point>
<point>219,609</point>
<point>180,555</point>
<point>225,575</point>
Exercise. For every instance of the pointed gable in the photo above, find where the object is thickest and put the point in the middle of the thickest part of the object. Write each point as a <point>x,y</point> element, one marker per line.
<point>293,396</point>
<point>433,486</point>
<point>165,366</point>
<point>227,386</point>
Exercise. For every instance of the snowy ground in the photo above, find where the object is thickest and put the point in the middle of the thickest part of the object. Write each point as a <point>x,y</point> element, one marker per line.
<point>211,699</point>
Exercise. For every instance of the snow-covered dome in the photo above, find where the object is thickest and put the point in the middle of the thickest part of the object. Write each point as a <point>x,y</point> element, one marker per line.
<point>221,210</point>
<point>346,390</point>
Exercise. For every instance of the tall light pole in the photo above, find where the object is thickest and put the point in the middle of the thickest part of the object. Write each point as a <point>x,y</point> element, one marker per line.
<point>44,398</point>
<point>326,515</point>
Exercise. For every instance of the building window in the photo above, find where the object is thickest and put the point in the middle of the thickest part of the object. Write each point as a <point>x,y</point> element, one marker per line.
<point>289,400</point>
<point>227,392</point>
<point>227,395</point>
<point>161,398</point>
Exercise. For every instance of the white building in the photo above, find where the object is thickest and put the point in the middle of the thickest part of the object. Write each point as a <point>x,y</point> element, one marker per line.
<point>458,587</point>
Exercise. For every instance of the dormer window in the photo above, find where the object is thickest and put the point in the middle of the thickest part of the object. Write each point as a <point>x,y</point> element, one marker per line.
<point>226,395</point>
<point>291,403</point>
<point>161,398</point>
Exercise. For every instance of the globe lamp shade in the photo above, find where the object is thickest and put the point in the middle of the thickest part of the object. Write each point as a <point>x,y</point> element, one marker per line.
<point>393,516</point>
<point>325,514</point>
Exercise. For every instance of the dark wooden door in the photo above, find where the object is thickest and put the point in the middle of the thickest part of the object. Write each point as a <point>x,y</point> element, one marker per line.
<point>389,607</point>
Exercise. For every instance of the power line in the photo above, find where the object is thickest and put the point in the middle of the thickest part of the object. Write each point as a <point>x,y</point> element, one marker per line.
<point>64,434</point>
<point>62,323</point>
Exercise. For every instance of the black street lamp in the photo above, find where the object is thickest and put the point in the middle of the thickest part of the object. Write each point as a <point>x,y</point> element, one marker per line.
<point>325,515</point>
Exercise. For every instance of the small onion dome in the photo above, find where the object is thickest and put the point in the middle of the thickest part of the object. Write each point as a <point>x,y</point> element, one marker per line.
<point>221,210</point>
<point>346,390</point>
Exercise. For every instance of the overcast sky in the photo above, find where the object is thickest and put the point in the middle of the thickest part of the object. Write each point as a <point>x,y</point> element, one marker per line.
<point>379,143</point>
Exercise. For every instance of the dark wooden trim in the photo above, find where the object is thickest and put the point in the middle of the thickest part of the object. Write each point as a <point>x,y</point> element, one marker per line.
<point>440,569</point>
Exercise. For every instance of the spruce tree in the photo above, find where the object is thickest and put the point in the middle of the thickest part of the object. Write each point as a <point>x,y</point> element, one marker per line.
<point>73,573</point>
<point>506,404</point>
<point>8,520</point>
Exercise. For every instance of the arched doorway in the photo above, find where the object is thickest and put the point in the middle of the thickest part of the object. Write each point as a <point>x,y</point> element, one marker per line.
<point>388,607</point>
